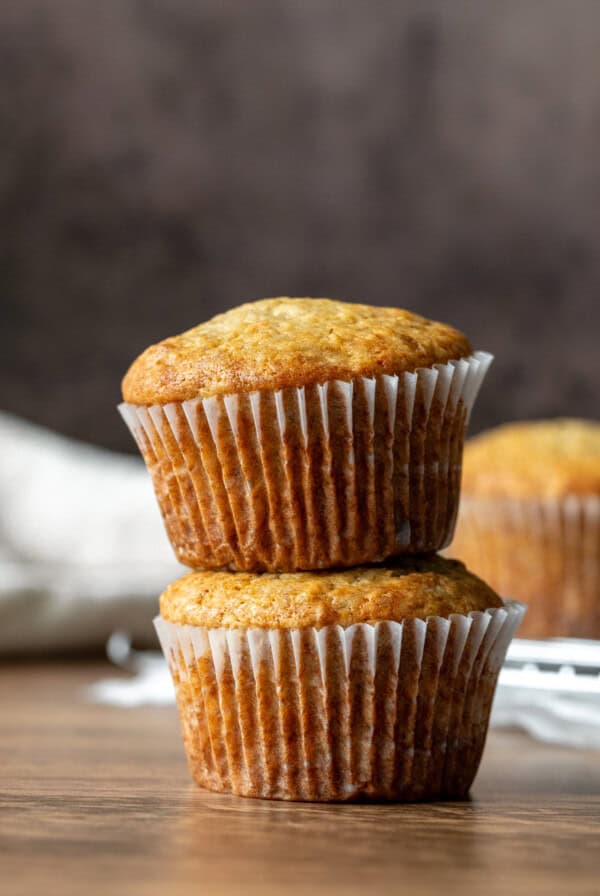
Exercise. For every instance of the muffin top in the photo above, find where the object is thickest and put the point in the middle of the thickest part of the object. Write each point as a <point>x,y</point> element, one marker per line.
<point>282,342</point>
<point>409,588</point>
<point>546,458</point>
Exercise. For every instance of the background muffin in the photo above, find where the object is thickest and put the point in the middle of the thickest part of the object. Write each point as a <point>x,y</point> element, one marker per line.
<point>305,433</point>
<point>530,521</point>
<point>371,682</point>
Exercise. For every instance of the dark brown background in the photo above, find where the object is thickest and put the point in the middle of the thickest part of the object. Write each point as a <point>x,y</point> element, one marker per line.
<point>160,161</point>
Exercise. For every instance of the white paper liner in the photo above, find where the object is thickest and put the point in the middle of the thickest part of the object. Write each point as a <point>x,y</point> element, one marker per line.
<point>336,474</point>
<point>545,552</point>
<point>387,711</point>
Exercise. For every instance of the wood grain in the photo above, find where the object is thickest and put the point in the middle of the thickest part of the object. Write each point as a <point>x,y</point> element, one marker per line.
<point>96,800</point>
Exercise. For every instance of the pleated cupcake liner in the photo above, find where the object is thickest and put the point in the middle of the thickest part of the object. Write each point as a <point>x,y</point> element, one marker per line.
<point>327,475</point>
<point>391,711</point>
<point>545,552</point>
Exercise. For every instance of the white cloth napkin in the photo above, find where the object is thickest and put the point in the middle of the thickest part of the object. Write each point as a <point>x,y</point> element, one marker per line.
<point>82,547</point>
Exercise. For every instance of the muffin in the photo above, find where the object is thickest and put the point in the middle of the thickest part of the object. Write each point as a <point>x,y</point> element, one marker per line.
<point>293,434</point>
<point>374,682</point>
<point>529,521</point>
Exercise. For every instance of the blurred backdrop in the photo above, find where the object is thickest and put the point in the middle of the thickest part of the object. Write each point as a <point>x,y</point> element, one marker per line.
<point>163,161</point>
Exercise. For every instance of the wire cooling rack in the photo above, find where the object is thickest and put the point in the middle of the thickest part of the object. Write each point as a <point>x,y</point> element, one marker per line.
<point>564,665</point>
<point>551,689</point>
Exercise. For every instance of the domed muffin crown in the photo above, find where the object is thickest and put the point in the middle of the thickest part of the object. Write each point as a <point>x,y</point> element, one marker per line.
<point>536,459</point>
<point>274,343</point>
<point>411,588</point>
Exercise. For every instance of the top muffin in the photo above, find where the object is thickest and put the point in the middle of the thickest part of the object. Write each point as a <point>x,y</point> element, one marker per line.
<point>410,588</point>
<point>294,434</point>
<point>275,343</point>
<point>546,458</point>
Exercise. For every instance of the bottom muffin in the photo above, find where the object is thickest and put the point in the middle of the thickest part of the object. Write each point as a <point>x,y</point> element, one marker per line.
<point>373,682</point>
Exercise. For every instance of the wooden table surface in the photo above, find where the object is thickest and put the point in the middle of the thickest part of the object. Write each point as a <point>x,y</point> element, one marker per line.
<point>97,800</point>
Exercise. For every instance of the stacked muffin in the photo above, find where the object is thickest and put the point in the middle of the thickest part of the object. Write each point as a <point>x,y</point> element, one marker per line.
<point>291,442</point>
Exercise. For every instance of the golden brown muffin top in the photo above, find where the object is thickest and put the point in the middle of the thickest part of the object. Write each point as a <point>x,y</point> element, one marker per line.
<point>545,458</point>
<point>282,342</point>
<point>409,588</point>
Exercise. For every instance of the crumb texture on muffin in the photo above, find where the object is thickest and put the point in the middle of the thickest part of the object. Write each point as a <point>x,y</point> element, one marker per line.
<point>411,588</point>
<point>542,458</point>
<point>276,343</point>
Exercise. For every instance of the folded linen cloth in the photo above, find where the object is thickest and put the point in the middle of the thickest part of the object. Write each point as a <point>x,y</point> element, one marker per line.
<point>82,547</point>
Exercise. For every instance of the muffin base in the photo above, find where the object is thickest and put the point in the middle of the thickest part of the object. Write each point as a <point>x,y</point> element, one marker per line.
<point>337,474</point>
<point>544,552</point>
<point>394,711</point>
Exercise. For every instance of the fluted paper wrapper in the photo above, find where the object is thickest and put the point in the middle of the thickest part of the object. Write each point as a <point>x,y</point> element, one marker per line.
<point>327,475</point>
<point>545,552</point>
<point>395,711</point>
